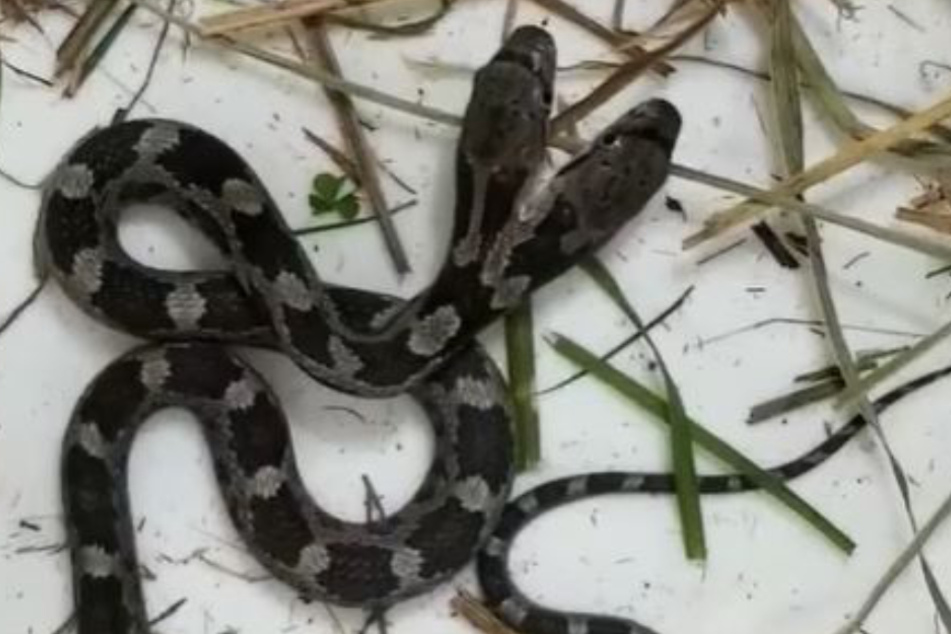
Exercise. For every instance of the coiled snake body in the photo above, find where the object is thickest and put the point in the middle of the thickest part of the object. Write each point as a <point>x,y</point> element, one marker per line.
<point>502,248</point>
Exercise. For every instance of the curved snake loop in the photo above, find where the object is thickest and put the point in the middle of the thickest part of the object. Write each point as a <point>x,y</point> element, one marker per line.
<point>360,342</point>
<point>502,248</point>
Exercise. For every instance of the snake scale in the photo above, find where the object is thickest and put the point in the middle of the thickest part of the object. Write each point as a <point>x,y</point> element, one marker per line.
<point>504,245</point>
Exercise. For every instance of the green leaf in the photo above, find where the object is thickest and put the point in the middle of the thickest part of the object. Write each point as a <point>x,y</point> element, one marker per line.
<point>320,205</point>
<point>348,207</point>
<point>706,439</point>
<point>331,194</point>
<point>327,186</point>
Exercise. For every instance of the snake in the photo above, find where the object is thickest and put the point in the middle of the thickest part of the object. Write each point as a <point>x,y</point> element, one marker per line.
<point>507,241</point>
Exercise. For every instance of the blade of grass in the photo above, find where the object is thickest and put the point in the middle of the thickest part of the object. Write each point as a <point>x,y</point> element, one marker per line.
<point>786,101</point>
<point>830,101</point>
<point>672,39</point>
<point>685,470</point>
<point>849,396</point>
<point>913,550</point>
<point>777,199</point>
<point>520,355</point>
<point>656,321</point>
<point>269,14</point>
<point>508,18</point>
<point>609,36</point>
<point>681,17</point>
<point>617,14</point>
<point>351,223</point>
<point>416,27</point>
<point>784,88</point>
<point>823,384</point>
<point>643,397</point>
<point>938,130</point>
<point>89,63</point>
<point>787,107</point>
<point>794,400</point>
<point>866,360</point>
<point>353,89</point>
<point>848,156</point>
<point>70,50</point>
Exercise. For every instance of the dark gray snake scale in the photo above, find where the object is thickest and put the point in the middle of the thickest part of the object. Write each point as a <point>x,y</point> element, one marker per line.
<point>503,247</point>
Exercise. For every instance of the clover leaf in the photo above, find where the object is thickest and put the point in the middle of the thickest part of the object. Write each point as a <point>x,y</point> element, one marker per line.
<point>334,194</point>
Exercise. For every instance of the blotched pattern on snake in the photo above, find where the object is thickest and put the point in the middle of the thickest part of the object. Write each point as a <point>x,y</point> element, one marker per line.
<point>504,246</point>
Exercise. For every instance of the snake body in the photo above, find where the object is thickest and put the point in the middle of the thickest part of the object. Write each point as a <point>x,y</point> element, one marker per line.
<point>503,247</point>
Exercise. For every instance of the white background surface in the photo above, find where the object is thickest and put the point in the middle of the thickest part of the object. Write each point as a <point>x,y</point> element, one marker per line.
<point>620,556</point>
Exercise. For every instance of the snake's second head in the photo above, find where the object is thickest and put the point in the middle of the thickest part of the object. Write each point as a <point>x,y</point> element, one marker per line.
<point>506,122</point>
<point>612,181</point>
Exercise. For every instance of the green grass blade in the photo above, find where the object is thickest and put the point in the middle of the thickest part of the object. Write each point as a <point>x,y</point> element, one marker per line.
<point>640,395</point>
<point>520,353</point>
<point>685,470</point>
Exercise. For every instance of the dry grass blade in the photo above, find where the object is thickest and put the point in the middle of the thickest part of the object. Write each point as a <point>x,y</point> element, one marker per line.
<point>771,198</point>
<point>913,550</point>
<point>823,384</point>
<point>626,73</point>
<point>787,105</point>
<point>508,18</point>
<point>270,15</point>
<point>676,22</point>
<point>416,27</point>
<point>24,11</point>
<point>353,89</point>
<point>481,617</point>
<point>794,400</point>
<point>617,14</point>
<point>605,34</point>
<point>875,378</point>
<point>937,130</point>
<point>831,102</point>
<point>84,66</point>
<point>785,87</point>
<point>78,38</point>
<point>786,101</point>
<point>849,156</point>
<point>359,146</point>
<point>338,156</point>
<point>931,209</point>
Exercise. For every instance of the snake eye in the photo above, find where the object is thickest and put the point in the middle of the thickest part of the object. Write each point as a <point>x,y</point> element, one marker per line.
<point>609,139</point>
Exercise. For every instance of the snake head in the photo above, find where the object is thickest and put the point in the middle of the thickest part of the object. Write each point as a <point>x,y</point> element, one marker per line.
<point>614,178</point>
<point>506,122</point>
